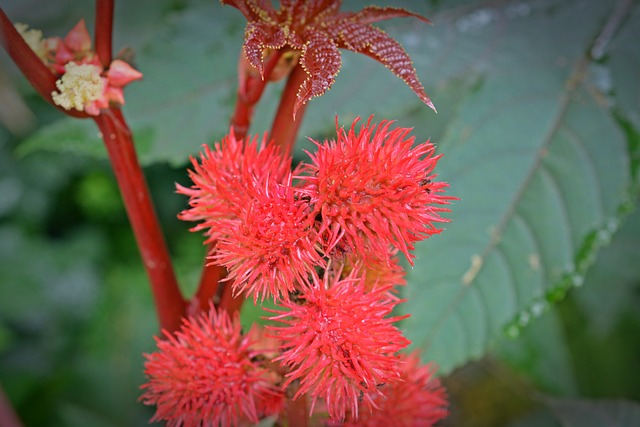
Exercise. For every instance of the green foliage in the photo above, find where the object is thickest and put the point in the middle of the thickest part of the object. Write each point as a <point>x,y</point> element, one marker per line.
<point>583,348</point>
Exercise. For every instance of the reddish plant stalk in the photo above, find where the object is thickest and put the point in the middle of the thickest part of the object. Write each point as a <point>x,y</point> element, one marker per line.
<point>40,77</point>
<point>104,31</point>
<point>118,140</point>
<point>285,126</point>
<point>8,417</point>
<point>284,131</point>
<point>208,287</point>
<point>170,305</point>
<point>246,99</point>
<point>230,302</point>
<point>297,412</point>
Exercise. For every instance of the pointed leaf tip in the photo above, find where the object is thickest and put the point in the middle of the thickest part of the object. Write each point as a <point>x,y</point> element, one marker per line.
<point>391,54</point>
<point>258,38</point>
<point>430,105</point>
<point>321,61</point>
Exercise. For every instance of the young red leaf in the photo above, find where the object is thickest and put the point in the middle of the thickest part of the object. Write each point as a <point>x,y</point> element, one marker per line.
<point>317,29</point>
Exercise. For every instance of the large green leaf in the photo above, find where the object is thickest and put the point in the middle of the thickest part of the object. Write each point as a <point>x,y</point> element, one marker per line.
<point>581,347</point>
<point>543,355</point>
<point>610,290</point>
<point>540,163</point>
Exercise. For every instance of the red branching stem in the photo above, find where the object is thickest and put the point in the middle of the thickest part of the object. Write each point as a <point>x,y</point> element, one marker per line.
<point>297,412</point>
<point>207,288</point>
<point>284,130</point>
<point>8,416</point>
<point>104,31</point>
<point>241,118</point>
<point>118,140</point>
<point>230,302</point>
<point>285,126</point>
<point>247,98</point>
<point>40,77</point>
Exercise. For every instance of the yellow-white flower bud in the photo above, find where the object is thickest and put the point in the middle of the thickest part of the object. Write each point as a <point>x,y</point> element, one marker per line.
<point>34,39</point>
<point>79,86</point>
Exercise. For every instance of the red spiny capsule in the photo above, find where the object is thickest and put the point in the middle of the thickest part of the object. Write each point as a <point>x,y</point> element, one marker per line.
<point>416,399</point>
<point>368,186</point>
<point>269,250</point>
<point>340,343</point>
<point>222,176</point>
<point>205,375</point>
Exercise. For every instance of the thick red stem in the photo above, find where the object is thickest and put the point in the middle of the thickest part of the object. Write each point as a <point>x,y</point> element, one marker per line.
<point>297,412</point>
<point>117,137</point>
<point>40,77</point>
<point>207,288</point>
<point>104,31</point>
<point>230,302</point>
<point>8,417</point>
<point>284,129</point>
<point>249,94</point>
<point>241,118</point>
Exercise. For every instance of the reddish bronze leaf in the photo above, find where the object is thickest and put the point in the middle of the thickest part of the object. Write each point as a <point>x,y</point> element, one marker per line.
<point>371,14</point>
<point>351,34</point>
<point>258,37</point>
<point>321,60</point>
<point>317,29</point>
<point>247,7</point>
<point>379,45</point>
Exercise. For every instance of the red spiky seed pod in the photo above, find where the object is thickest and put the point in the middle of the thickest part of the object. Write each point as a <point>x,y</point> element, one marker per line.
<point>205,375</point>
<point>270,250</point>
<point>340,342</point>
<point>374,188</point>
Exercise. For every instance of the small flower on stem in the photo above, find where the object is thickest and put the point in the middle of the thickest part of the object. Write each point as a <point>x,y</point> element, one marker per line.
<point>80,88</point>
<point>57,52</point>
<point>75,47</point>
<point>208,374</point>
<point>373,189</point>
<point>86,87</point>
<point>339,343</point>
<point>34,39</point>
<point>84,84</point>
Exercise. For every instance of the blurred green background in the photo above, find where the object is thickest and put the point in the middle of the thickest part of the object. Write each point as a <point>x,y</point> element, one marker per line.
<point>529,301</point>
